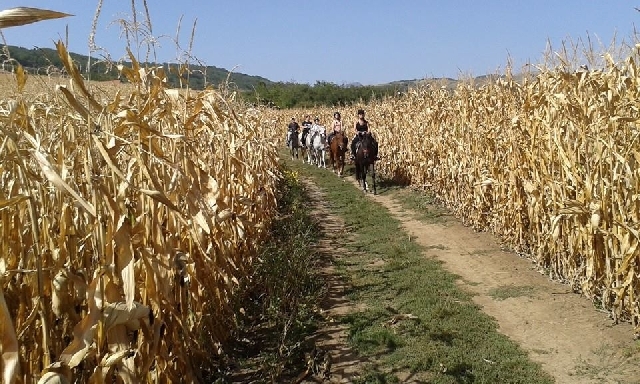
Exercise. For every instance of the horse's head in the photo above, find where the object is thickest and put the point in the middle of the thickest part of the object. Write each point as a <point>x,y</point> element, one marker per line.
<point>366,144</point>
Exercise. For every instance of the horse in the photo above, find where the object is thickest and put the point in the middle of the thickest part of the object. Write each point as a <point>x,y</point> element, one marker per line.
<point>337,149</point>
<point>310,153</point>
<point>304,147</point>
<point>318,147</point>
<point>365,160</point>
<point>294,144</point>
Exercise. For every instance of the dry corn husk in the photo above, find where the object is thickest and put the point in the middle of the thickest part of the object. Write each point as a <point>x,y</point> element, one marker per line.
<point>24,15</point>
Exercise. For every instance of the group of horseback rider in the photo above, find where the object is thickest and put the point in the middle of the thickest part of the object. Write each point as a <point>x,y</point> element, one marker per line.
<point>360,127</point>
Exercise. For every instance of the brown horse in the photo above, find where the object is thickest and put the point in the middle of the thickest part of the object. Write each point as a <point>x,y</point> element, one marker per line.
<point>365,161</point>
<point>337,149</point>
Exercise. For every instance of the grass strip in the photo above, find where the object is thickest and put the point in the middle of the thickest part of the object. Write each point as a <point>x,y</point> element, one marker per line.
<point>280,302</point>
<point>418,324</point>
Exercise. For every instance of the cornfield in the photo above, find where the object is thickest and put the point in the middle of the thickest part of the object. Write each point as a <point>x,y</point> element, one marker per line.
<point>549,165</point>
<point>128,217</point>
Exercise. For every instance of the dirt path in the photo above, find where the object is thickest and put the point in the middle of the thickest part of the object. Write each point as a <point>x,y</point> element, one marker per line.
<point>331,338</point>
<point>560,329</point>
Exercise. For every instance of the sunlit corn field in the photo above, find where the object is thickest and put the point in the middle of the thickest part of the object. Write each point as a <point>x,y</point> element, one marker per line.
<point>128,217</point>
<point>549,164</point>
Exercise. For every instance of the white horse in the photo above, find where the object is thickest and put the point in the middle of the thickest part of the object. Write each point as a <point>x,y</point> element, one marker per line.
<point>311,156</point>
<point>319,146</point>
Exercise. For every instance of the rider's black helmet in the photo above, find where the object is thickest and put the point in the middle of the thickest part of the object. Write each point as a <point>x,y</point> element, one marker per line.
<point>360,111</point>
<point>316,119</point>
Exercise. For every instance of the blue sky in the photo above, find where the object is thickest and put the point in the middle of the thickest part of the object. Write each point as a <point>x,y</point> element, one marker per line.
<point>369,42</point>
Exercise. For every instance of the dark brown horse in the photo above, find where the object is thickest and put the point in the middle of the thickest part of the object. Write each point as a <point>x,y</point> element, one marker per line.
<point>337,149</point>
<point>294,144</point>
<point>365,161</point>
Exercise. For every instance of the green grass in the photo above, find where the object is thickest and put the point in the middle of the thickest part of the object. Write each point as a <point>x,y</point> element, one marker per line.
<point>421,204</point>
<point>510,291</point>
<point>451,340</point>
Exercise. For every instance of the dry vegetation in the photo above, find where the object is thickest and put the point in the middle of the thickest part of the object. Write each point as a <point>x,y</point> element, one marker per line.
<point>128,216</point>
<point>550,165</point>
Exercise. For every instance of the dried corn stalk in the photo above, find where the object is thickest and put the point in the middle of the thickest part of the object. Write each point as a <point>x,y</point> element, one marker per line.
<point>126,222</point>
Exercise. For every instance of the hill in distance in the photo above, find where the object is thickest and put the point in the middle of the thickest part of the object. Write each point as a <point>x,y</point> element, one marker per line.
<point>46,60</point>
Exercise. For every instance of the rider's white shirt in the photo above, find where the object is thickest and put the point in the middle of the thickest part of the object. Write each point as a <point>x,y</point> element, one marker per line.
<point>317,128</point>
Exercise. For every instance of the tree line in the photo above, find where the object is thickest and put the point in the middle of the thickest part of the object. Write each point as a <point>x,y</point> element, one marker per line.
<point>294,95</point>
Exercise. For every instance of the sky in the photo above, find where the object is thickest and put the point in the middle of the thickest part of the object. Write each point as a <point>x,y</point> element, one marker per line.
<point>340,41</point>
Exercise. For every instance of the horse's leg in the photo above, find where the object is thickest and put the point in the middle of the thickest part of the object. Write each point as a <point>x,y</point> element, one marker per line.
<point>373,177</point>
<point>364,177</point>
<point>331,160</point>
<point>334,162</point>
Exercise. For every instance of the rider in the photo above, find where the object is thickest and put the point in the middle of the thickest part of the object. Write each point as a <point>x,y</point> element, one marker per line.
<point>361,126</point>
<point>337,127</point>
<point>316,127</point>
<point>293,127</point>
<point>306,126</point>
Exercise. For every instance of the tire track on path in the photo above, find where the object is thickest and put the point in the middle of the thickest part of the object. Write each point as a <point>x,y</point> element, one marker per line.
<point>331,338</point>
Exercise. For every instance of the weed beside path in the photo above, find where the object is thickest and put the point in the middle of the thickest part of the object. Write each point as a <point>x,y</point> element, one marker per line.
<point>417,325</point>
<point>280,302</point>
